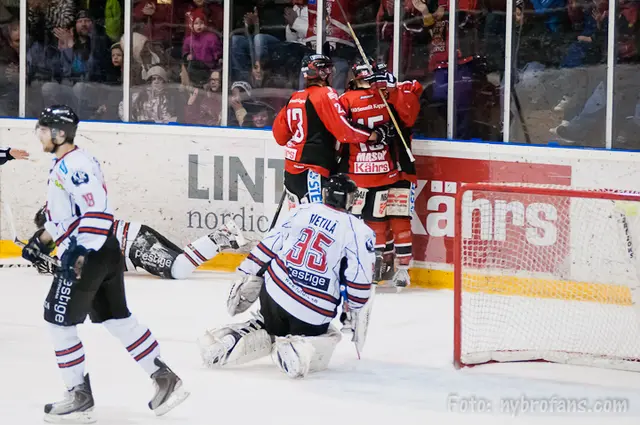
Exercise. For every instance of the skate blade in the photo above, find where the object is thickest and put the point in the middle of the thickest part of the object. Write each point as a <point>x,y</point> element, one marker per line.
<point>387,288</point>
<point>233,228</point>
<point>176,398</point>
<point>86,417</point>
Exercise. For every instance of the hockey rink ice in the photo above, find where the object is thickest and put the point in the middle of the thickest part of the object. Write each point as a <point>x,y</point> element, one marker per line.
<point>405,376</point>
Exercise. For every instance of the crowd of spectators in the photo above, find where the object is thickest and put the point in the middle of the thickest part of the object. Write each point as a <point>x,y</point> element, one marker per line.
<point>75,54</point>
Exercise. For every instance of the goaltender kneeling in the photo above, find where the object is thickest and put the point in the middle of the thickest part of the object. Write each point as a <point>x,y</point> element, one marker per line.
<point>293,323</point>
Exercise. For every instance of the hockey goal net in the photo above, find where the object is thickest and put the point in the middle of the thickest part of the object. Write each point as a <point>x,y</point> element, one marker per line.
<point>546,273</point>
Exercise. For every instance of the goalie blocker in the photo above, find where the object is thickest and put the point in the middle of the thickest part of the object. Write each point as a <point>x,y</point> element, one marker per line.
<point>293,322</point>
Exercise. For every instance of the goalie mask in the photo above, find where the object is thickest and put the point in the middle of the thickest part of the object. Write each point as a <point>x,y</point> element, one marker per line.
<point>339,192</point>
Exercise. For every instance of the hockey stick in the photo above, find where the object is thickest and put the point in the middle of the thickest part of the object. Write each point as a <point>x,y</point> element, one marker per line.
<point>9,215</point>
<point>277,214</point>
<point>384,99</point>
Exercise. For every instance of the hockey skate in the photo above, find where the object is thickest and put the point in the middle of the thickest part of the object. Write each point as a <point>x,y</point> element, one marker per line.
<point>169,391</point>
<point>401,278</point>
<point>76,408</point>
<point>228,236</point>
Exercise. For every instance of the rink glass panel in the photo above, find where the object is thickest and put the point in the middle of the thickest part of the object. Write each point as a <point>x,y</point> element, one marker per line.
<point>9,59</point>
<point>626,88</point>
<point>176,62</point>
<point>543,274</point>
<point>74,57</point>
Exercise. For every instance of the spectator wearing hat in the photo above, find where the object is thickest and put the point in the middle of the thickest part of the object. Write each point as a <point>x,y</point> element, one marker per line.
<point>239,98</point>
<point>213,13</point>
<point>84,58</point>
<point>153,104</point>
<point>202,45</point>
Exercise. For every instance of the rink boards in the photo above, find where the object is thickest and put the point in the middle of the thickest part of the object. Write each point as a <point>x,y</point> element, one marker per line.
<point>185,181</point>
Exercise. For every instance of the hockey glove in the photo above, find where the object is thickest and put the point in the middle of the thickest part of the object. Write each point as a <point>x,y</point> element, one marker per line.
<point>46,267</point>
<point>382,80</point>
<point>244,293</point>
<point>73,260</point>
<point>386,133</point>
<point>35,248</point>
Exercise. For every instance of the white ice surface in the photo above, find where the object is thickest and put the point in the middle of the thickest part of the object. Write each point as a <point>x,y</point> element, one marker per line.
<point>405,376</point>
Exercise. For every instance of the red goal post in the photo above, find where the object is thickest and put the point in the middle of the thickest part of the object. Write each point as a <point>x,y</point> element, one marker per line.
<point>546,272</point>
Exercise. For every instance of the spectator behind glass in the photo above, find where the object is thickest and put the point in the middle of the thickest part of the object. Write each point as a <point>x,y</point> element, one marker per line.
<point>153,104</point>
<point>202,45</point>
<point>9,68</point>
<point>107,15</point>
<point>153,20</point>
<point>213,14</point>
<point>239,97</point>
<point>201,107</point>
<point>260,115</point>
<point>84,58</point>
<point>43,16</point>
<point>108,110</point>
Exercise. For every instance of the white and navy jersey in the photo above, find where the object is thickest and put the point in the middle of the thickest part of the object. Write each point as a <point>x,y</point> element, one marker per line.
<point>77,202</point>
<point>309,256</point>
<point>4,155</point>
<point>126,232</point>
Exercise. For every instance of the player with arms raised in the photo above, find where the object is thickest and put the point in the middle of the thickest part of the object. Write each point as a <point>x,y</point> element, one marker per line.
<point>90,280</point>
<point>373,167</point>
<point>309,126</point>
<point>404,100</point>
<point>304,261</point>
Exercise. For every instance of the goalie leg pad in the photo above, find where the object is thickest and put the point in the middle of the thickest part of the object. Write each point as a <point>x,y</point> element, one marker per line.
<point>244,293</point>
<point>297,355</point>
<point>235,344</point>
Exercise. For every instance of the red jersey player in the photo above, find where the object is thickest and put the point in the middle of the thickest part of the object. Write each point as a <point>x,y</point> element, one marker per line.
<point>309,126</point>
<point>370,166</point>
<point>404,99</point>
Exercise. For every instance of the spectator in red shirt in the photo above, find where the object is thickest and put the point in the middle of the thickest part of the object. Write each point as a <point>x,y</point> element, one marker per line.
<point>153,20</point>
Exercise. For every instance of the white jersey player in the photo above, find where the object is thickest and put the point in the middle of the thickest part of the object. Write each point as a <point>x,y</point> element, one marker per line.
<point>89,281</point>
<point>144,248</point>
<point>319,255</point>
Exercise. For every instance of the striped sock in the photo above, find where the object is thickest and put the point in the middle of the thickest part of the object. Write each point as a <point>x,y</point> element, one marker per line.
<point>69,354</point>
<point>138,340</point>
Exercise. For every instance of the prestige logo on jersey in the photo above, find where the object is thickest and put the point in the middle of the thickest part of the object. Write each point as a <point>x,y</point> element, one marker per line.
<point>496,218</point>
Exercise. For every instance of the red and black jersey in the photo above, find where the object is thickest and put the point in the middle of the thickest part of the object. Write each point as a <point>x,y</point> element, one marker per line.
<point>405,103</point>
<point>367,164</point>
<point>309,126</point>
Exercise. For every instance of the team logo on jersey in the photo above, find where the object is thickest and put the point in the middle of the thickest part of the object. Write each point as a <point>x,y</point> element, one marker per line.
<point>369,245</point>
<point>79,177</point>
<point>63,167</point>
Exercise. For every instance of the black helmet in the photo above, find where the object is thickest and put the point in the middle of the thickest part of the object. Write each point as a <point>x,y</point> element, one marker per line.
<point>339,192</point>
<point>316,67</point>
<point>360,70</point>
<point>60,117</point>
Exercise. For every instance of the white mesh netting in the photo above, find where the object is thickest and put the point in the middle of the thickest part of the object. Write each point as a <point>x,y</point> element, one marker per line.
<point>549,275</point>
